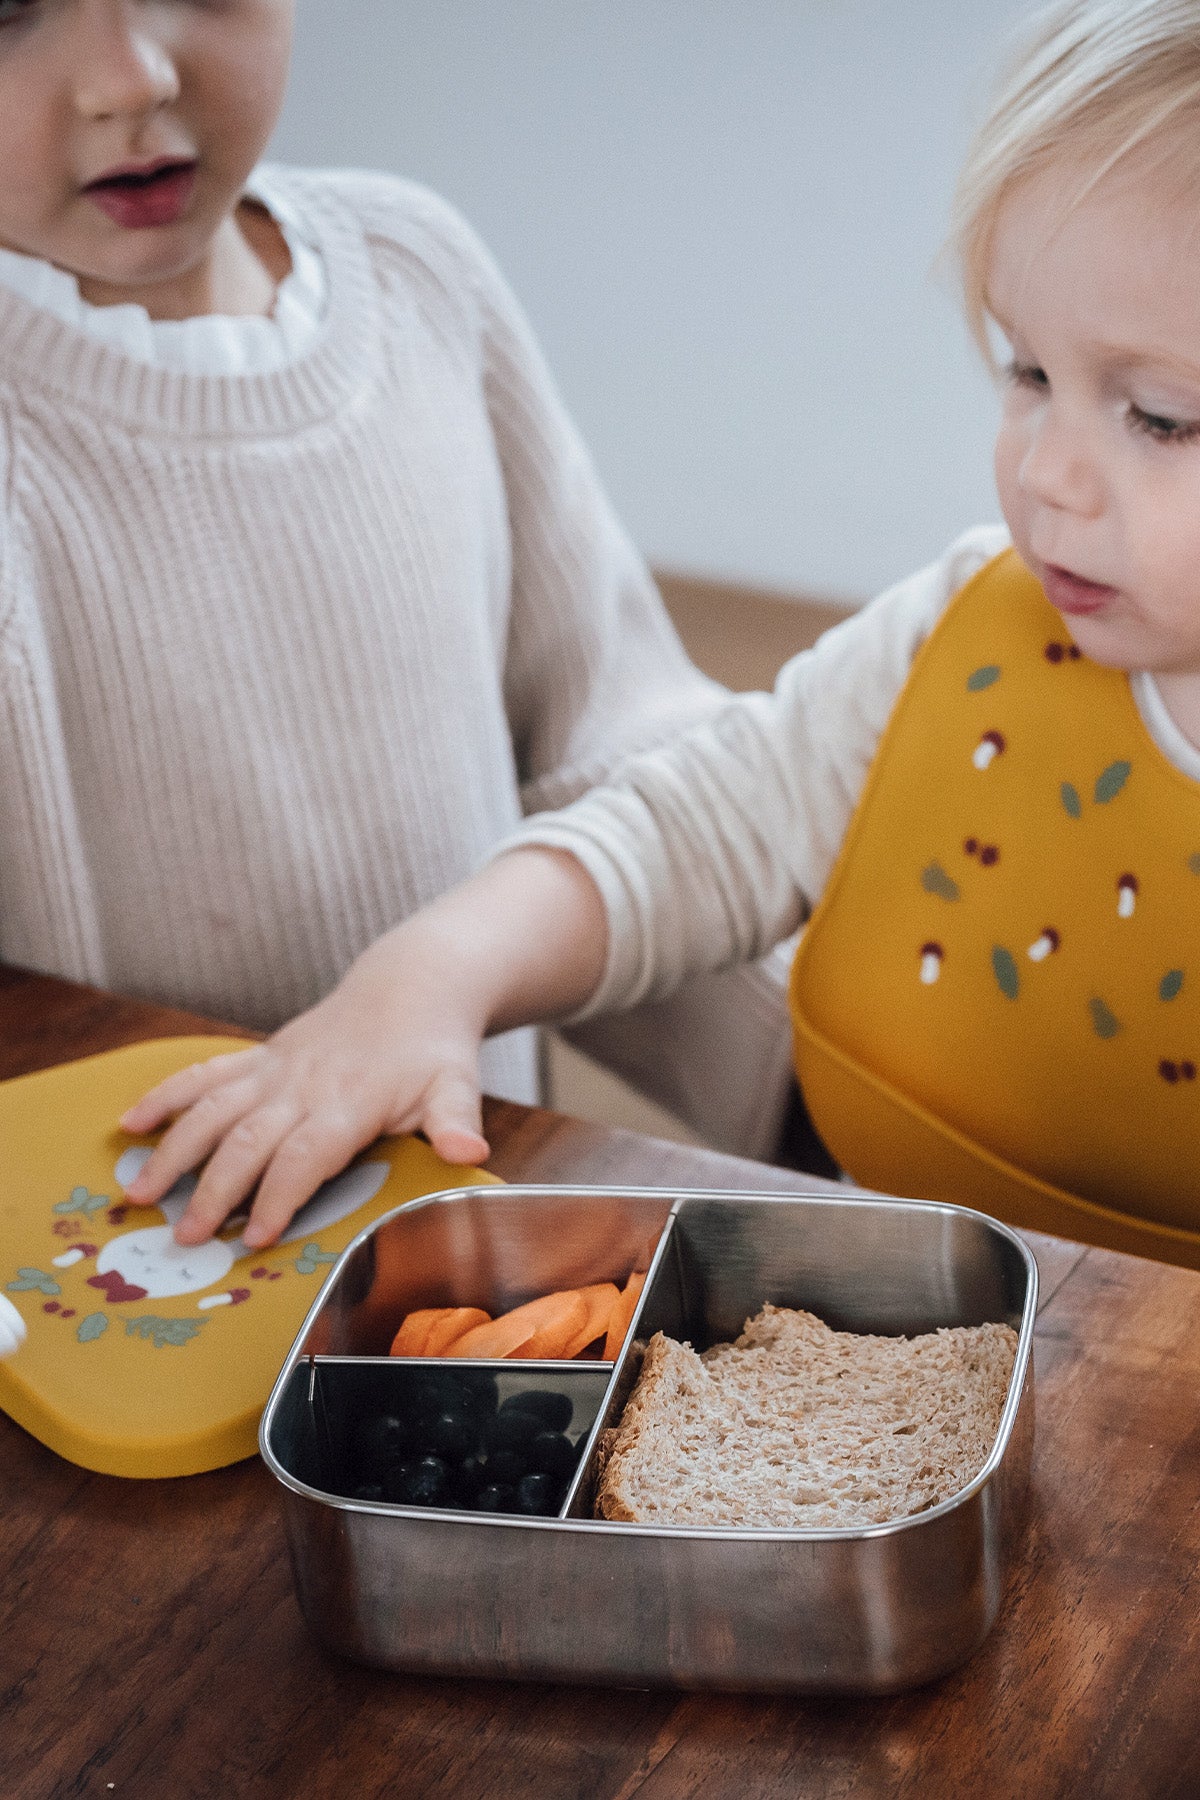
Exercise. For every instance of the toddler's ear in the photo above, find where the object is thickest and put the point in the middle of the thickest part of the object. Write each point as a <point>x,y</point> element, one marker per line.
<point>173,1204</point>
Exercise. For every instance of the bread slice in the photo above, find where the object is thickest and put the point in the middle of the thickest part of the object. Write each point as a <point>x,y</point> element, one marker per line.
<point>797,1425</point>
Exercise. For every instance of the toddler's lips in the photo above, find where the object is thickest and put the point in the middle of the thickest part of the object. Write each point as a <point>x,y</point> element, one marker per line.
<point>139,198</point>
<point>1072,594</point>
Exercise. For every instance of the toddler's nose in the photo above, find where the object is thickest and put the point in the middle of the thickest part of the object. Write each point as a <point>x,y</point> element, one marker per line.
<point>1058,469</point>
<point>123,70</point>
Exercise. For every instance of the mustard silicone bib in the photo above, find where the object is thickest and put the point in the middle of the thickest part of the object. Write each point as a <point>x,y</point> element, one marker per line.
<point>142,1357</point>
<point>997,1000</point>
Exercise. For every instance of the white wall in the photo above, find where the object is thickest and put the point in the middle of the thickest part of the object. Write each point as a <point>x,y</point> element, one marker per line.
<point>721,216</point>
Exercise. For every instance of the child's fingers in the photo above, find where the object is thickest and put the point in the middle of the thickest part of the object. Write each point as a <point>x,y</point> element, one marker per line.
<point>184,1088</point>
<point>453,1120</point>
<point>455,1146</point>
<point>234,1169</point>
<point>318,1148</point>
<point>191,1138</point>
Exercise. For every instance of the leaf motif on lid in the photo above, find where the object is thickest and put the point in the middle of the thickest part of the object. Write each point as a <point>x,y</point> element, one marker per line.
<point>81,1200</point>
<point>1070,799</point>
<point>33,1281</point>
<point>94,1326</point>
<point>163,1331</point>
<point>1170,984</point>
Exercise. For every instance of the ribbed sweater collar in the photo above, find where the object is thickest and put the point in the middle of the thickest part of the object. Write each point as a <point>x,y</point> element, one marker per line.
<point>39,351</point>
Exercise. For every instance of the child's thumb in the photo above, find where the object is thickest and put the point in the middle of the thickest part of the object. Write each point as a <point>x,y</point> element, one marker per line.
<point>453,1120</point>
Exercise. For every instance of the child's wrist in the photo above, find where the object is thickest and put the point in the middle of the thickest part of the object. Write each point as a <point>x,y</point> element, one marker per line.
<point>418,973</point>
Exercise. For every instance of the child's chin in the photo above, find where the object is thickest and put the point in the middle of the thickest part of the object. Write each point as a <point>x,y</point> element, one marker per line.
<point>1106,644</point>
<point>132,268</point>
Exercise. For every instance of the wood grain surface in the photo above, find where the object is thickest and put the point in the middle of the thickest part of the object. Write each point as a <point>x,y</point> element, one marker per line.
<point>150,1644</point>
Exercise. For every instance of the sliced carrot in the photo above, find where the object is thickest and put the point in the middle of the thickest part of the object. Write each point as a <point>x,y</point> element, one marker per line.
<point>599,1301</point>
<point>535,1329</point>
<point>554,1326</point>
<point>456,1321</point>
<point>622,1313</point>
<point>561,1326</point>
<point>414,1330</point>
<point>498,1338</point>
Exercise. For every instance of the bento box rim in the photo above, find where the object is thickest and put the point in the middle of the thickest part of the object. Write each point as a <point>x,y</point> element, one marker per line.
<point>777,1534</point>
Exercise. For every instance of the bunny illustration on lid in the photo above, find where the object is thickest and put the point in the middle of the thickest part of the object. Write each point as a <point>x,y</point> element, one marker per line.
<point>119,1348</point>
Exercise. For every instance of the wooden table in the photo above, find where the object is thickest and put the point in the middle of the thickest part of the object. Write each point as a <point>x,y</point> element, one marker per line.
<point>151,1645</point>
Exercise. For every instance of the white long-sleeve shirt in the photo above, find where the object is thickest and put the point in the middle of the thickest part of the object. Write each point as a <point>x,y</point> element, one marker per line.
<point>286,649</point>
<point>710,850</point>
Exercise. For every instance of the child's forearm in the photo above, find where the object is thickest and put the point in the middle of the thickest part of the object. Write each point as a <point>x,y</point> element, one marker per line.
<point>523,940</point>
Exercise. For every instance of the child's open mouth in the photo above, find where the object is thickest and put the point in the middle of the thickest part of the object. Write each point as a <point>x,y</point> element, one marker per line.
<point>1074,595</point>
<point>153,194</point>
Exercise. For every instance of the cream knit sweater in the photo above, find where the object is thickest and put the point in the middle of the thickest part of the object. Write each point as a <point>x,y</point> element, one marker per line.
<point>283,655</point>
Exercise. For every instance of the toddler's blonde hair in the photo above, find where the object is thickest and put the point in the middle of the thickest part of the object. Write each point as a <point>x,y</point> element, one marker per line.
<point>1096,81</point>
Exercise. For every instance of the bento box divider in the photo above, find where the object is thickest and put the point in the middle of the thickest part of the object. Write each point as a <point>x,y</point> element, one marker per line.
<point>662,1295</point>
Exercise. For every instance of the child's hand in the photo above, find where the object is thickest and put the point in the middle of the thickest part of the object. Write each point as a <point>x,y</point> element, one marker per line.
<point>373,1058</point>
<point>394,1048</point>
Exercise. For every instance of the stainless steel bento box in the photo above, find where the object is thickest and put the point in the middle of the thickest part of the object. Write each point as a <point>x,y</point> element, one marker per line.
<point>570,1598</point>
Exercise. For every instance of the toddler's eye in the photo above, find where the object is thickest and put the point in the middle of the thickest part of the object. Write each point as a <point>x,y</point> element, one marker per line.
<point>1022,374</point>
<point>1162,429</point>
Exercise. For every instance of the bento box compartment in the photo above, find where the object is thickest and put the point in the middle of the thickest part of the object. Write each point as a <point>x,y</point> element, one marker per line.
<point>858,1264</point>
<point>460,1437</point>
<point>491,1248</point>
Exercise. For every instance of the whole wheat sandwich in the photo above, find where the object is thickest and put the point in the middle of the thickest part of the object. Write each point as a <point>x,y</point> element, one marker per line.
<point>798,1425</point>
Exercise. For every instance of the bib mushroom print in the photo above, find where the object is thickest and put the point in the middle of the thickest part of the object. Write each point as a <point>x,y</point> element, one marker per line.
<point>997,1002</point>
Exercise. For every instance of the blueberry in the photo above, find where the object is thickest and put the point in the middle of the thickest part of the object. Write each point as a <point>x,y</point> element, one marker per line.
<point>538,1494</point>
<point>432,1391</point>
<point>480,1389</point>
<point>378,1443</point>
<point>507,1467</point>
<point>553,1454</point>
<point>496,1497</point>
<point>511,1430</point>
<point>450,1435</point>
<point>554,1410</point>
<point>423,1481</point>
<point>465,1482</point>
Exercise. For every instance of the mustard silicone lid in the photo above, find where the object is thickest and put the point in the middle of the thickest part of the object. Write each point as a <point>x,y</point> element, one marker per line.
<point>140,1356</point>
